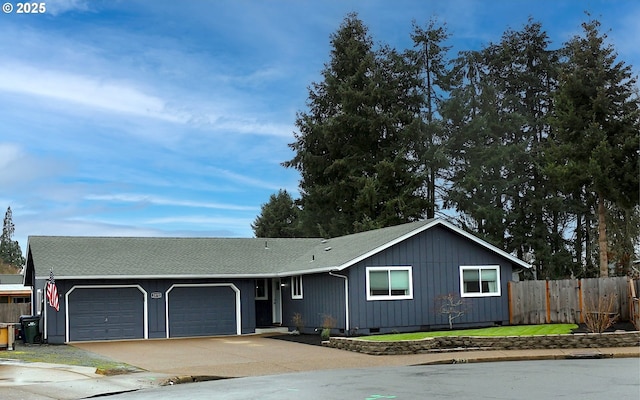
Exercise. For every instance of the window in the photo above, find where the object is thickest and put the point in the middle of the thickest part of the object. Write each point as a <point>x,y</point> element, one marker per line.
<point>296,287</point>
<point>262,292</point>
<point>20,300</point>
<point>389,283</point>
<point>480,281</point>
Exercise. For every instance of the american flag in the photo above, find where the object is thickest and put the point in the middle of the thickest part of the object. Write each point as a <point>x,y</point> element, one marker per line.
<point>52,292</point>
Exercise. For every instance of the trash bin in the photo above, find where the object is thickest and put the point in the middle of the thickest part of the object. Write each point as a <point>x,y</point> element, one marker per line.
<point>31,329</point>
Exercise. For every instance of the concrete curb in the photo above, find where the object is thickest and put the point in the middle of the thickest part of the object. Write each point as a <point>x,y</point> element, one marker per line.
<point>176,380</point>
<point>572,356</point>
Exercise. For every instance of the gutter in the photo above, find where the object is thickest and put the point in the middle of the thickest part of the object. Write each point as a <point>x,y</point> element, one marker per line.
<point>346,299</point>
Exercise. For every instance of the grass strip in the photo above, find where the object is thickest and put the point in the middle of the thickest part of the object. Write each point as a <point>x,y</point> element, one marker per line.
<point>519,330</point>
<point>63,354</point>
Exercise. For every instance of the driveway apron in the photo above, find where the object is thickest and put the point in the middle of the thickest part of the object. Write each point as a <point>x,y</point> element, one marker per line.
<point>232,356</point>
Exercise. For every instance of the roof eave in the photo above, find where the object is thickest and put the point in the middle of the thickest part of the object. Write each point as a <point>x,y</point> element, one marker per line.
<point>172,276</point>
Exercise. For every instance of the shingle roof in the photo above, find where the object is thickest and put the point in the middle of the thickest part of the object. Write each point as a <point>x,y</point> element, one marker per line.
<point>123,257</point>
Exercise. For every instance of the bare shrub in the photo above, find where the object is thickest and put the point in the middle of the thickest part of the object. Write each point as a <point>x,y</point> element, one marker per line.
<point>451,305</point>
<point>599,314</point>
<point>328,322</point>
<point>297,321</point>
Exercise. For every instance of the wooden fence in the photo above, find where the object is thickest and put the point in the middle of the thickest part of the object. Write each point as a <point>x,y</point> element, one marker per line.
<point>11,312</point>
<point>565,301</point>
<point>634,303</point>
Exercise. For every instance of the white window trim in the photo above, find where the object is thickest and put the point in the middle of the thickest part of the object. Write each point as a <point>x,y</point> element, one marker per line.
<point>480,268</point>
<point>294,294</point>
<point>371,297</point>
<point>266,290</point>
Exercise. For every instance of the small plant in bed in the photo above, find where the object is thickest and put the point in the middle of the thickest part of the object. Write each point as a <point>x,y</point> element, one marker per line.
<point>298,322</point>
<point>328,323</point>
<point>518,330</point>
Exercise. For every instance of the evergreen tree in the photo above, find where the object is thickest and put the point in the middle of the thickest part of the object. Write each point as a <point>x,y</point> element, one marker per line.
<point>623,233</point>
<point>278,218</point>
<point>352,148</point>
<point>10,252</point>
<point>497,116</point>
<point>596,140</point>
<point>430,57</point>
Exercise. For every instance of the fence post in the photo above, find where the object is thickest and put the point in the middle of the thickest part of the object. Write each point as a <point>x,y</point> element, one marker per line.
<point>510,303</point>
<point>548,301</point>
<point>630,295</point>
<point>580,305</point>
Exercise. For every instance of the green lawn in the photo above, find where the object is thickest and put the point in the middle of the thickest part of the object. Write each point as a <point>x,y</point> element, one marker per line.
<point>520,330</point>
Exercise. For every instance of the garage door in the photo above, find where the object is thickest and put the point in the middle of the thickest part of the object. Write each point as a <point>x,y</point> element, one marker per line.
<point>202,311</point>
<point>106,313</point>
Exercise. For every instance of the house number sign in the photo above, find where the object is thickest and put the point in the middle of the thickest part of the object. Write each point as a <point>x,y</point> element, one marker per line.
<point>156,295</point>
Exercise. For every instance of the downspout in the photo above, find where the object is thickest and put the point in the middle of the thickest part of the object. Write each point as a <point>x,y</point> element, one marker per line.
<point>45,330</point>
<point>346,299</point>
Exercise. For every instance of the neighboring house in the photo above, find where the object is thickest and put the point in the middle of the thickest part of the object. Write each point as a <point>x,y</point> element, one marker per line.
<point>12,289</point>
<point>377,281</point>
<point>14,298</point>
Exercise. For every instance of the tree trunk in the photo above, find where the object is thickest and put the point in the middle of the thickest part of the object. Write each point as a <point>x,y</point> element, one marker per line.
<point>431,211</point>
<point>602,238</point>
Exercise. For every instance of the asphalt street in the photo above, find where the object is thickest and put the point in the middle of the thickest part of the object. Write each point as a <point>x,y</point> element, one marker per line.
<point>523,380</point>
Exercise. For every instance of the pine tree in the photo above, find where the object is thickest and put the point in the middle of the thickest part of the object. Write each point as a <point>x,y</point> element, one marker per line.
<point>497,116</point>
<point>278,218</point>
<point>596,138</point>
<point>10,252</point>
<point>430,58</point>
<point>352,148</point>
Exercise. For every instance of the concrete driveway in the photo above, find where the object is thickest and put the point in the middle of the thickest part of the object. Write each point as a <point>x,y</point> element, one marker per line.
<point>231,356</point>
<point>255,355</point>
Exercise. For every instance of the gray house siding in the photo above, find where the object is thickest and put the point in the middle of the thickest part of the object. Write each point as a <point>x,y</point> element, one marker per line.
<point>156,310</point>
<point>435,256</point>
<point>323,295</point>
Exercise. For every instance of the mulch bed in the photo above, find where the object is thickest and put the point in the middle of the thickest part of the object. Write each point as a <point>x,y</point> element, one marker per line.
<point>618,326</point>
<point>304,339</point>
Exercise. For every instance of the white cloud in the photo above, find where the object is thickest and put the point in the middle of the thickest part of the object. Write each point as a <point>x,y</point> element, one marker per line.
<point>163,201</point>
<point>124,98</point>
<point>203,220</point>
<point>252,126</point>
<point>87,91</point>
<point>17,167</point>
<point>57,7</point>
<point>9,154</point>
<point>243,180</point>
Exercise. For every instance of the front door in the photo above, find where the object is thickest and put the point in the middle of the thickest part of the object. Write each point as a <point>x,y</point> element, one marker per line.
<point>263,303</point>
<point>276,301</point>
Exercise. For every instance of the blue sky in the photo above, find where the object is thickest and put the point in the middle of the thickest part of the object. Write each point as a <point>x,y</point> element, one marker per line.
<point>171,118</point>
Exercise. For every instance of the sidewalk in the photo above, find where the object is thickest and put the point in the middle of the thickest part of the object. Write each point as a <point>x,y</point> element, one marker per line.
<point>166,361</point>
<point>44,381</point>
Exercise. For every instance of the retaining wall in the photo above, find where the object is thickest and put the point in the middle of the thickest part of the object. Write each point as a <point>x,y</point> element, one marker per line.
<point>428,345</point>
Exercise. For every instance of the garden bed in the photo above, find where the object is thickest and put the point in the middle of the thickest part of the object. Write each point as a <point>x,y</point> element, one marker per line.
<point>462,343</point>
<point>617,327</point>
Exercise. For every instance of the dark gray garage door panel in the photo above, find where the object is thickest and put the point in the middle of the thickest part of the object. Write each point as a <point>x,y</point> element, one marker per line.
<point>106,313</point>
<point>202,311</point>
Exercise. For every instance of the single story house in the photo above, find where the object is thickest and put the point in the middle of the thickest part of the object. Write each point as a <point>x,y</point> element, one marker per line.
<point>378,281</point>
